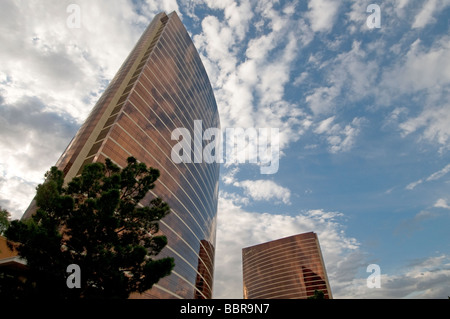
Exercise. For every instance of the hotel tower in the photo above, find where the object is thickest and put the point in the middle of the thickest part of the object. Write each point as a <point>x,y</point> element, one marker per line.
<point>287,268</point>
<point>161,86</point>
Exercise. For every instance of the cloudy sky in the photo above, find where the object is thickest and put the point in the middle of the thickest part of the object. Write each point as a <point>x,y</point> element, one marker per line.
<point>363,115</point>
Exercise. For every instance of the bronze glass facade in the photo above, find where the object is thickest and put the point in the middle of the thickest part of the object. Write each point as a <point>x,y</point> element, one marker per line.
<point>287,268</point>
<point>160,87</point>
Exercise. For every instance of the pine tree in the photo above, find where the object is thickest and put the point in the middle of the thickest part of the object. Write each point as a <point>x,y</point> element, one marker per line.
<point>97,223</point>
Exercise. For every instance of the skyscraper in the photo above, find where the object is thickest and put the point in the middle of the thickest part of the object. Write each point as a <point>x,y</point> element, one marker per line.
<point>287,268</point>
<point>160,87</point>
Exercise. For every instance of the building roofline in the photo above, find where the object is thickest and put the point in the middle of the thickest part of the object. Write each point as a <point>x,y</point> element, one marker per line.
<point>283,238</point>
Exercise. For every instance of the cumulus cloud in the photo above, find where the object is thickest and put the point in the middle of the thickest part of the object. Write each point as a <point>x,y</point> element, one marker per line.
<point>322,14</point>
<point>154,7</point>
<point>250,92</point>
<point>423,70</point>
<point>325,126</point>
<point>442,203</point>
<point>322,100</point>
<point>419,74</point>
<point>348,75</point>
<point>434,121</point>
<point>67,68</point>
<point>229,177</point>
<point>340,139</point>
<point>426,14</point>
<point>265,190</point>
<point>413,185</point>
<point>257,190</point>
<point>300,79</point>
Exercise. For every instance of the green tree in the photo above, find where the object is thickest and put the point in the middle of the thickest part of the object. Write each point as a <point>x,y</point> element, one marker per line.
<point>318,294</point>
<point>4,220</point>
<point>97,223</point>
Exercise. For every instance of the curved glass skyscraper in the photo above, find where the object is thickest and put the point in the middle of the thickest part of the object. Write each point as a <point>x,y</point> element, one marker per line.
<point>161,86</point>
<point>286,268</point>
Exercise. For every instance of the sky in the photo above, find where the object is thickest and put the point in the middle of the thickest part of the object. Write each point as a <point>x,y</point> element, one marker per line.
<point>363,115</point>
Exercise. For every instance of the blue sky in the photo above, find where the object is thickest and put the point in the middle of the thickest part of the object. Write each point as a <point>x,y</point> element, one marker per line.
<point>363,115</point>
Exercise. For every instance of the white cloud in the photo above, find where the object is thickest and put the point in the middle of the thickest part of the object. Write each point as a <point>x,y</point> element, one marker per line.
<point>67,68</point>
<point>322,100</point>
<point>421,68</point>
<point>217,40</point>
<point>340,139</point>
<point>235,198</point>
<point>325,126</point>
<point>250,93</point>
<point>442,203</point>
<point>15,195</point>
<point>426,14</point>
<point>439,174</point>
<point>435,121</point>
<point>358,13</point>
<point>265,190</point>
<point>322,14</point>
<point>423,74</point>
<point>394,117</point>
<point>349,75</point>
<point>229,178</point>
<point>347,139</point>
<point>300,79</point>
<point>149,8</point>
<point>413,185</point>
<point>238,17</point>
<point>402,3</point>
<point>420,75</point>
<point>435,176</point>
<point>214,4</point>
